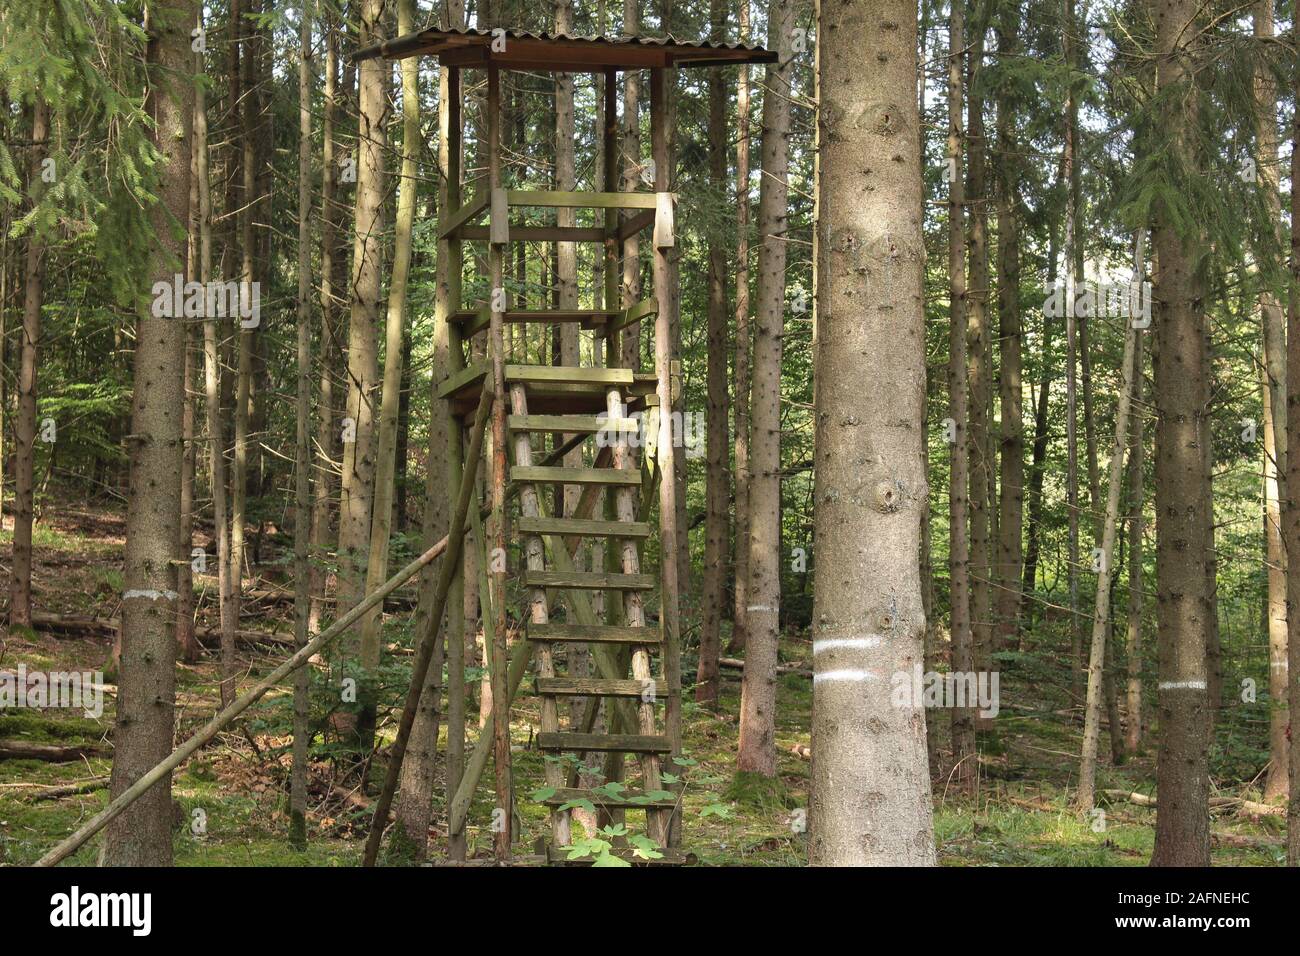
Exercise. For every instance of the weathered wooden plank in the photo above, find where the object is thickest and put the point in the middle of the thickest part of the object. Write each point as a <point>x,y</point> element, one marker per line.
<point>539,233</point>
<point>600,687</point>
<point>469,375</point>
<point>584,528</point>
<point>592,634</point>
<point>590,580</point>
<point>499,219</point>
<point>631,226</point>
<point>476,320</point>
<point>462,215</point>
<point>605,743</point>
<point>575,476</point>
<point>572,424</point>
<point>663,234</point>
<point>627,799</point>
<point>633,313</point>
<point>568,375</point>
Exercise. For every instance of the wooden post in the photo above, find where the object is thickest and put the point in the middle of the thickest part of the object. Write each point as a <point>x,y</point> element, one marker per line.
<point>612,216</point>
<point>455,636</point>
<point>665,320</point>
<point>496,345</point>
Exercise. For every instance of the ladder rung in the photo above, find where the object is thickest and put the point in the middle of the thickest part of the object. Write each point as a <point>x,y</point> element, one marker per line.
<point>584,527</point>
<point>559,856</point>
<point>611,743</point>
<point>627,799</point>
<point>571,424</point>
<point>576,476</point>
<point>568,375</point>
<point>592,634</point>
<point>589,580</point>
<point>599,687</point>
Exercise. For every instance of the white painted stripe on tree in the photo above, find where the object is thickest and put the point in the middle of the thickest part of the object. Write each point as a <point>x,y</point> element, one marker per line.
<point>1181,685</point>
<point>759,608</point>
<point>151,594</point>
<point>846,675</point>
<point>834,643</point>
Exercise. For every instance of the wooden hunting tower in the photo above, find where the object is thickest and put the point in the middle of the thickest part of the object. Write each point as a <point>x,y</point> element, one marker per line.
<point>598,410</point>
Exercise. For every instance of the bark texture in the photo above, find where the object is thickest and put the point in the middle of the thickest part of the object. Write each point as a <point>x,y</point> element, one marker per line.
<point>870,777</point>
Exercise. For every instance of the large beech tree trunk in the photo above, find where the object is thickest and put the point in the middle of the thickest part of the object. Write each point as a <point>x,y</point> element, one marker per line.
<point>870,776</point>
<point>142,836</point>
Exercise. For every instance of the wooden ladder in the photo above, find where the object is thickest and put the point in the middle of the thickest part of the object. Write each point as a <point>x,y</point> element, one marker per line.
<point>616,647</point>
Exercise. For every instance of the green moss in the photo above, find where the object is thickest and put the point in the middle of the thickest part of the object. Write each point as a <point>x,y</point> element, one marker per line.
<point>37,726</point>
<point>755,790</point>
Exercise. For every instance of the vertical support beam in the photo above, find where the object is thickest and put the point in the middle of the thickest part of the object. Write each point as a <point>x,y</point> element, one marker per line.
<point>615,718</point>
<point>665,321</point>
<point>496,555</point>
<point>609,183</point>
<point>455,635</point>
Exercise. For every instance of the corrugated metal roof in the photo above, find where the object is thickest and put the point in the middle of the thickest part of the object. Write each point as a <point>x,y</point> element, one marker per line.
<point>582,50</point>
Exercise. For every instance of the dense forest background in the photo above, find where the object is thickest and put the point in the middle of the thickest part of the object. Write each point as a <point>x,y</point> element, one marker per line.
<point>1060,147</point>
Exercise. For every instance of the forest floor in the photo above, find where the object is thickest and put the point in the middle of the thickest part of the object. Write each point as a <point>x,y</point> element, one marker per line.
<point>1022,813</point>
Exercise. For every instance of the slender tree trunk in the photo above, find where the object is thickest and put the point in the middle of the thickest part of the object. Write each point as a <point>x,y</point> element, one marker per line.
<point>1276,784</point>
<point>365,287</point>
<point>1184,605</point>
<point>142,835</point>
<point>1101,621</point>
<point>5,286</point>
<point>963,723</point>
<point>303,458</point>
<point>707,680</point>
<point>185,640</point>
<point>1133,697</point>
<point>245,347</point>
<point>1291,501</point>
<point>329,345</point>
<point>932,639</point>
<point>216,433</point>
<point>870,779</point>
<point>743,351</point>
<point>1038,457</point>
<point>386,451</point>
<point>1010,385</point>
<point>1073,273</point>
<point>414,808</point>
<point>979,358</point>
<point>20,582</point>
<point>757,753</point>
